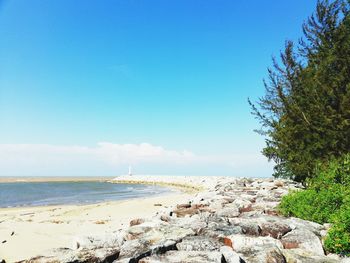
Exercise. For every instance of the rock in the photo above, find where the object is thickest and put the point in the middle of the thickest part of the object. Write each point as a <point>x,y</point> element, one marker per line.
<point>242,205</point>
<point>264,255</point>
<point>274,229</point>
<point>102,241</point>
<point>305,256</point>
<point>279,183</point>
<point>229,212</point>
<point>124,260</point>
<point>230,255</point>
<point>234,221</point>
<point>157,239</point>
<point>249,227</point>
<point>137,231</point>
<point>66,255</point>
<point>241,243</point>
<point>185,257</point>
<point>134,248</point>
<point>137,221</point>
<point>194,209</point>
<point>198,243</point>
<point>165,218</point>
<point>219,227</point>
<point>334,256</point>
<point>303,239</point>
<point>2,260</point>
<point>345,260</point>
<point>183,206</point>
<point>262,225</point>
<point>193,223</point>
<point>297,223</point>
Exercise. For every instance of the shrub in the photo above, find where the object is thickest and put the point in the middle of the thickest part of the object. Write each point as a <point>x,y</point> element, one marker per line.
<point>338,237</point>
<point>317,206</point>
<point>326,200</point>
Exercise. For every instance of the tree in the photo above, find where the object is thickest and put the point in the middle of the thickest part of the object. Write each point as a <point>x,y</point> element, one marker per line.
<point>305,112</point>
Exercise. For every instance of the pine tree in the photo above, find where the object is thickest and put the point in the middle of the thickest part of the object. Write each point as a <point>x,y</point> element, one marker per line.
<point>305,113</point>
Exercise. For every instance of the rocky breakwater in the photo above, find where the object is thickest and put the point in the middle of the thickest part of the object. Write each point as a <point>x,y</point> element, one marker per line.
<point>234,221</point>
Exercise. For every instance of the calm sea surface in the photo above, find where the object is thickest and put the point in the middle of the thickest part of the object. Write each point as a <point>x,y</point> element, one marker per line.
<point>57,193</point>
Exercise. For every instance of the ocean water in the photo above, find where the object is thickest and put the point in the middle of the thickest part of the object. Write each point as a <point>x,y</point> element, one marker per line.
<point>58,193</point>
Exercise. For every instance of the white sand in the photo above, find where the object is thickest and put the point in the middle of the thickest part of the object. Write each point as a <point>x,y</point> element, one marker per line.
<point>38,229</point>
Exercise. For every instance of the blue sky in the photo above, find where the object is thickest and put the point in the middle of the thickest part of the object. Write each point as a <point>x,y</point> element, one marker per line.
<point>161,85</point>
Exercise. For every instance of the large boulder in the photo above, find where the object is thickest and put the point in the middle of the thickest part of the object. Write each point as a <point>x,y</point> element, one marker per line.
<point>304,239</point>
<point>304,256</point>
<point>156,240</point>
<point>268,254</point>
<point>244,244</point>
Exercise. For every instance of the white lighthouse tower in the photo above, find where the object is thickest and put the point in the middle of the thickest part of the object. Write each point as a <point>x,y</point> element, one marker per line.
<point>130,174</point>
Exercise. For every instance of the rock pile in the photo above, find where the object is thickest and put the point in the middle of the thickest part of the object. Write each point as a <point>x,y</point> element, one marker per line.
<point>235,221</point>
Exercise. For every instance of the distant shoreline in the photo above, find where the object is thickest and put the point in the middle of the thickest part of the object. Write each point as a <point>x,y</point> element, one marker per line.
<point>43,179</point>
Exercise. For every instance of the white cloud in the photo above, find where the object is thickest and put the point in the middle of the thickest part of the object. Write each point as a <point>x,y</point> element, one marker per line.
<point>111,159</point>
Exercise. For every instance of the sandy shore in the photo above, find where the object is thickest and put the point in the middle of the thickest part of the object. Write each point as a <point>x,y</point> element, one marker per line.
<point>26,232</point>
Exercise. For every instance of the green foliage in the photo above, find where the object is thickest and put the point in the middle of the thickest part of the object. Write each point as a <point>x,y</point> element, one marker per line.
<point>305,113</point>
<point>317,206</point>
<point>326,200</point>
<point>338,238</point>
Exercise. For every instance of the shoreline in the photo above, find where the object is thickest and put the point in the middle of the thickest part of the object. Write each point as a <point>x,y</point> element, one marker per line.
<point>88,204</point>
<point>59,225</point>
<point>174,188</point>
<point>54,226</point>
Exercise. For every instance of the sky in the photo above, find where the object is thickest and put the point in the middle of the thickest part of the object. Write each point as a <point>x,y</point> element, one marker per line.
<point>88,88</point>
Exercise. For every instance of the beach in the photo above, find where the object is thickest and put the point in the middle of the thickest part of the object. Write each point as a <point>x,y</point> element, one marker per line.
<point>26,232</point>
<point>215,219</point>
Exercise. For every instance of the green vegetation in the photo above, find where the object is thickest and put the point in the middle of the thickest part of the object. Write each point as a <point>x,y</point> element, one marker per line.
<point>327,199</point>
<point>305,113</point>
<point>338,238</point>
<point>305,117</point>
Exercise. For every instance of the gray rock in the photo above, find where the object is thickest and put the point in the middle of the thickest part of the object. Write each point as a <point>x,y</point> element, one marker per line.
<point>297,223</point>
<point>249,227</point>
<point>66,255</point>
<point>305,256</point>
<point>303,239</point>
<point>124,260</point>
<point>242,205</point>
<point>230,255</point>
<point>92,242</point>
<point>194,223</point>
<point>241,243</point>
<point>154,240</point>
<point>185,257</point>
<point>198,243</point>
<point>274,229</point>
<point>264,255</point>
<point>229,212</point>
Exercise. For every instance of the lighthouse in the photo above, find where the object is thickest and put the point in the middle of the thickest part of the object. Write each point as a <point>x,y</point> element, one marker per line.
<point>129,171</point>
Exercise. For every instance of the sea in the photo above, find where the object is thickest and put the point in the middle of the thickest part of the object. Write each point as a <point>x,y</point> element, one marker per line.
<point>19,194</point>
